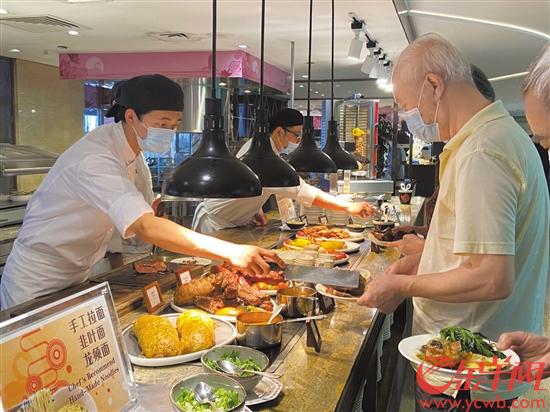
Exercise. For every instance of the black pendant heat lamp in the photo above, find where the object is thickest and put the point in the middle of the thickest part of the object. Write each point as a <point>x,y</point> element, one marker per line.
<point>308,157</point>
<point>270,168</point>
<point>212,171</point>
<point>343,159</point>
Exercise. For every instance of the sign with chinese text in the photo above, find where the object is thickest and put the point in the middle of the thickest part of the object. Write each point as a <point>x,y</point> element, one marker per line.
<point>73,351</point>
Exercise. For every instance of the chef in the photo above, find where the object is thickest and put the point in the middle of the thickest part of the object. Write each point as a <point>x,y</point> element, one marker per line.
<point>285,132</point>
<point>90,192</point>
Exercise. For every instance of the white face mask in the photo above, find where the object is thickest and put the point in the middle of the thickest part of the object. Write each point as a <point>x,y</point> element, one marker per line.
<point>157,140</point>
<point>290,148</point>
<point>428,133</point>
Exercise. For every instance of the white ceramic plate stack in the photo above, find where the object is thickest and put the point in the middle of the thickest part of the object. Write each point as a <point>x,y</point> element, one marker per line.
<point>312,214</point>
<point>337,218</point>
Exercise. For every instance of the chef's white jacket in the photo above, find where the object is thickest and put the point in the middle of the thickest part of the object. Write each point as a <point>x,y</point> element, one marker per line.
<point>70,219</point>
<point>213,215</point>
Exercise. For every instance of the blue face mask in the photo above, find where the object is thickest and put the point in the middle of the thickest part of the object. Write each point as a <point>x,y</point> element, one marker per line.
<point>428,133</point>
<point>290,148</point>
<point>157,140</point>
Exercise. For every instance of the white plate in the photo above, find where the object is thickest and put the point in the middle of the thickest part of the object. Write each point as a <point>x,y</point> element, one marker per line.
<point>354,237</point>
<point>410,346</point>
<point>322,289</point>
<point>190,260</point>
<point>341,261</point>
<point>224,331</point>
<point>266,390</point>
<point>181,309</point>
<point>350,247</point>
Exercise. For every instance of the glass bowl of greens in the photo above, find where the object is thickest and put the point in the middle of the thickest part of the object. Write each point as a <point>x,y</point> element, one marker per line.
<point>243,357</point>
<point>228,393</point>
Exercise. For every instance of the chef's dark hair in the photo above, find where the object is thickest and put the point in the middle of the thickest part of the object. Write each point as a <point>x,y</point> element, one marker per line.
<point>144,94</point>
<point>482,83</point>
<point>285,118</point>
<point>120,113</point>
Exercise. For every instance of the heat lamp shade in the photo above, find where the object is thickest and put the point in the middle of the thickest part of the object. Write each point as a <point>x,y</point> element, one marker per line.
<point>343,159</point>
<point>308,157</point>
<point>268,166</point>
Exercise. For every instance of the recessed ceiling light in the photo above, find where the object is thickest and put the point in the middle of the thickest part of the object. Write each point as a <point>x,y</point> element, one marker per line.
<point>322,95</point>
<point>33,111</point>
<point>15,50</point>
<point>304,76</point>
<point>248,91</point>
<point>73,33</point>
<point>336,85</point>
<point>301,85</point>
<point>243,46</point>
<point>222,84</point>
<point>3,11</point>
<point>316,92</point>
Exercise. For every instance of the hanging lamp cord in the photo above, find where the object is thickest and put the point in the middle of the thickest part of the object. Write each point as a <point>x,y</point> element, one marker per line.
<point>214,28</point>
<point>309,58</point>
<point>332,68</point>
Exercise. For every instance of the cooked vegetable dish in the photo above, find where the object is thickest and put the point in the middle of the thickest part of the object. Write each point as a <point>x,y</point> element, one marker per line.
<point>225,400</point>
<point>233,357</point>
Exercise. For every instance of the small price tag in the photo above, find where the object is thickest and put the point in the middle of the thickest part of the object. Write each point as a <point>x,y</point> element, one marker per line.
<point>183,277</point>
<point>303,218</point>
<point>286,208</point>
<point>323,219</point>
<point>152,296</point>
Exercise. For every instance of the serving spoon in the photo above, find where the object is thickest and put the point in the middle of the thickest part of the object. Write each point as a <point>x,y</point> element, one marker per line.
<point>232,369</point>
<point>205,394</point>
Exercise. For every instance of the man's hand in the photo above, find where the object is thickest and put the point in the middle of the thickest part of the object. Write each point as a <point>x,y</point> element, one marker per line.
<point>361,209</point>
<point>259,219</point>
<point>253,259</point>
<point>158,210</point>
<point>384,293</point>
<point>409,245</point>
<point>407,265</point>
<point>529,347</point>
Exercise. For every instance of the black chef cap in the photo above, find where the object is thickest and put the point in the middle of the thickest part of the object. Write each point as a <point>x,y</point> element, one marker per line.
<point>286,118</point>
<point>146,93</point>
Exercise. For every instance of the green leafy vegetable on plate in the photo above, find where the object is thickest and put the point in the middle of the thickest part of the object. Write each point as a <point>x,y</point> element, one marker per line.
<point>233,357</point>
<point>470,341</point>
<point>226,399</point>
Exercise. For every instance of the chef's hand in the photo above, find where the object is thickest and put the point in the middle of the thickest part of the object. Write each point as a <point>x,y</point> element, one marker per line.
<point>253,259</point>
<point>158,208</point>
<point>409,245</point>
<point>529,347</point>
<point>361,209</point>
<point>383,293</point>
<point>259,219</point>
<point>407,265</point>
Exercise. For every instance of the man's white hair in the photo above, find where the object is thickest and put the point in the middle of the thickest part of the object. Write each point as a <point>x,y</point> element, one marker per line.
<point>538,78</point>
<point>432,53</point>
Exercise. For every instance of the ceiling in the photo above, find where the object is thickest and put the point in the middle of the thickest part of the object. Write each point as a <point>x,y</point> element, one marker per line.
<point>123,25</point>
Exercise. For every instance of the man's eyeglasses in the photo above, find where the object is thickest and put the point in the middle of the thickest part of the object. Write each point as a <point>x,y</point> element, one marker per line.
<point>295,134</point>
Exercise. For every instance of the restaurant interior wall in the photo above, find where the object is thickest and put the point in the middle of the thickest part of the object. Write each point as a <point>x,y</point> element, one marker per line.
<point>48,112</point>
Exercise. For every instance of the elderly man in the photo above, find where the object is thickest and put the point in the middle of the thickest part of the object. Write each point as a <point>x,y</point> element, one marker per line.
<point>478,268</point>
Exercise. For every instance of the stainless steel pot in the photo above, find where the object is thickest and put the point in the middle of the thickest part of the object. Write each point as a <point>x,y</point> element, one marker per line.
<point>298,300</point>
<point>254,331</point>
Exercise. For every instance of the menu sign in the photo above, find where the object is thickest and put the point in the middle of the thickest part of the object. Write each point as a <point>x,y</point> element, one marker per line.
<point>74,353</point>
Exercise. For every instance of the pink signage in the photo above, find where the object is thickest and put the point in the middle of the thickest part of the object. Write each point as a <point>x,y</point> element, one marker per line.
<point>113,66</point>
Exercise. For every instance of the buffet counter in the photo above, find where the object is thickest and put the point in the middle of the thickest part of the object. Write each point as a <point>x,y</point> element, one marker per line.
<point>344,373</point>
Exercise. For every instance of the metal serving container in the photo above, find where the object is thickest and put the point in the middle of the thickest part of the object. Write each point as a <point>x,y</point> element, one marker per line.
<point>254,331</point>
<point>298,300</point>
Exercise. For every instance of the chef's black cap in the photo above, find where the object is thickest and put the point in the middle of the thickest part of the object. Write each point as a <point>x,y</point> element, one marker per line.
<point>146,93</point>
<point>286,118</point>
